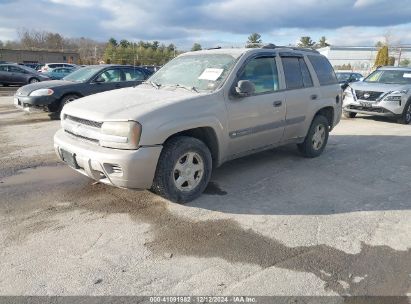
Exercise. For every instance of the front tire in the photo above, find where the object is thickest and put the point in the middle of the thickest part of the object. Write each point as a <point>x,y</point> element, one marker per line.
<point>183,170</point>
<point>66,100</point>
<point>33,80</point>
<point>316,139</point>
<point>405,117</point>
<point>349,114</point>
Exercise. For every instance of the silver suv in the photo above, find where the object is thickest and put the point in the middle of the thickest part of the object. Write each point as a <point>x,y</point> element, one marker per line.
<point>385,92</point>
<point>200,110</point>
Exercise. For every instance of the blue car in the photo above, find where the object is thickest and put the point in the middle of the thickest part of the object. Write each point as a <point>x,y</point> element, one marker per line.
<point>59,73</point>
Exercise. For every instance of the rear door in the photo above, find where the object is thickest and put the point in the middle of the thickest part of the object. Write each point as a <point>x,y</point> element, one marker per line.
<point>133,76</point>
<point>18,75</point>
<point>256,121</point>
<point>4,74</point>
<point>300,93</point>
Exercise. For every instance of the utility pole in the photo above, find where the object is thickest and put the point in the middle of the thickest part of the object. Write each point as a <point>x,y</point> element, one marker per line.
<point>399,57</point>
<point>95,53</point>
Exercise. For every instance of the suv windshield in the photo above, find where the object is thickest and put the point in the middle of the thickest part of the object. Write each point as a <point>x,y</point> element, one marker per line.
<point>196,72</point>
<point>83,74</point>
<point>390,76</point>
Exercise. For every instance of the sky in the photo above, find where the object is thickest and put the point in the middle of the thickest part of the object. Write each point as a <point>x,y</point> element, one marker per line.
<point>213,23</point>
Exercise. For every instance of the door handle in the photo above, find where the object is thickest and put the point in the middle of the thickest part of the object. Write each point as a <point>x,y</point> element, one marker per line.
<point>314,97</point>
<point>277,103</point>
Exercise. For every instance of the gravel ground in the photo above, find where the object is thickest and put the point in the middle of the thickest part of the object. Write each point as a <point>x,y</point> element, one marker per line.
<point>269,224</point>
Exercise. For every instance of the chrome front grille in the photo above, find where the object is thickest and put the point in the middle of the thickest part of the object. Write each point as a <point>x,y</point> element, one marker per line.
<point>82,128</point>
<point>82,121</point>
<point>367,95</point>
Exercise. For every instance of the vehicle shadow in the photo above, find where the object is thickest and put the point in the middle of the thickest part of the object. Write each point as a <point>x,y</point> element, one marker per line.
<point>355,173</point>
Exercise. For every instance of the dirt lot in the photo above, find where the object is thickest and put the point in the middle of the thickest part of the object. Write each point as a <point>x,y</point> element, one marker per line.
<point>270,224</point>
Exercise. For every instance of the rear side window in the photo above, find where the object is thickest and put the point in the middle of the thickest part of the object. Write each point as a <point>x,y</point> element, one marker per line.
<point>296,73</point>
<point>324,70</point>
<point>133,74</point>
<point>3,68</point>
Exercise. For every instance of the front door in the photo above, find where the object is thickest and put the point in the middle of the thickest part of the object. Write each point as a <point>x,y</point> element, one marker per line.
<point>257,121</point>
<point>107,80</point>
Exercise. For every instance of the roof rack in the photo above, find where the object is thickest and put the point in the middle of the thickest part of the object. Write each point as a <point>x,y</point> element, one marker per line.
<point>273,46</point>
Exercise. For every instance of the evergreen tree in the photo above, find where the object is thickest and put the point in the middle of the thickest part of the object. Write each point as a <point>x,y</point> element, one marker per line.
<point>254,41</point>
<point>382,58</point>
<point>196,47</point>
<point>306,42</point>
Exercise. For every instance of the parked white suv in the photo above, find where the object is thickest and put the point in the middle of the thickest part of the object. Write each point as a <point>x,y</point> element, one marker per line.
<point>50,66</point>
<point>385,92</point>
<point>200,110</point>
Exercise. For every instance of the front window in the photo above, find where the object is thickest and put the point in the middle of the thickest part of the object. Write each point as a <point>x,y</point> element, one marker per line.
<point>197,72</point>
<point>390,76</point>
<point>83,74</point>
<point>262,72</point>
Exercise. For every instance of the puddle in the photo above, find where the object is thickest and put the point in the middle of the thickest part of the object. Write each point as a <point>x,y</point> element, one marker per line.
<point>385,271</point>
<point>214,189</point>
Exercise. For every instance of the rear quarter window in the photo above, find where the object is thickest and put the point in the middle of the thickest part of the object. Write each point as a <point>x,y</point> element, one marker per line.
<point>323,69</point>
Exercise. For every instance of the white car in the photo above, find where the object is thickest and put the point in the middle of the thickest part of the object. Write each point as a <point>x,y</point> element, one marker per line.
<point>385,92</point>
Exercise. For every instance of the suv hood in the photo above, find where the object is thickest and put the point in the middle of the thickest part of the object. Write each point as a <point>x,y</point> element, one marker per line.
<point>377,87</point>
<point>27,89</point>
<point>125,104</point>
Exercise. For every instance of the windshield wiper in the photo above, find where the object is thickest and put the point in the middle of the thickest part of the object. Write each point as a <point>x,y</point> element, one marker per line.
<point>191,89</point>
<point>154,84</point>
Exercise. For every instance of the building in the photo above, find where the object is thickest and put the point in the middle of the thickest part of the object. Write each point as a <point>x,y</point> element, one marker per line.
<point>29,56</point>
<point>360,58</point>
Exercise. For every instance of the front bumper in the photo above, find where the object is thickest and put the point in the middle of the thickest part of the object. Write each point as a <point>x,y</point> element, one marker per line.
<point>23,102</point>
<point>380,108</point>
<point>121,168</point>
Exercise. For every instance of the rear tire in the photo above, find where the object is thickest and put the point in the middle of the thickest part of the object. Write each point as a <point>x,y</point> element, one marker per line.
<point>316,139</point>
<point>405,117</point>
<point>349,114</point>
<point>33,80</point>
<point>183,169</point>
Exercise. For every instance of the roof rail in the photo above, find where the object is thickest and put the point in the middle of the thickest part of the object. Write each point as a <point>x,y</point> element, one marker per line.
<point>215,48</point>
<point>273,46</point>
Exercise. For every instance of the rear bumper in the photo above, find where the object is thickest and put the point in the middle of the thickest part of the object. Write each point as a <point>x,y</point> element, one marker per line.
<point>137,167</point>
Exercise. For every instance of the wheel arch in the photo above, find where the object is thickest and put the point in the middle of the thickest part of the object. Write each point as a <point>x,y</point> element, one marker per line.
<point>207,135</point>
<point>327,112</point>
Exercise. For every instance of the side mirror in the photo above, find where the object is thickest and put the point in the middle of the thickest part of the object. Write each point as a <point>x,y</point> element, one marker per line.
<point>245,88</point>
<point>99,80</point>
<point>361,79</point>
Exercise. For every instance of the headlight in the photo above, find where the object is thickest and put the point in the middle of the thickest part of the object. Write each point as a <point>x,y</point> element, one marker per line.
<point>120,135</point>
<point>42,92</point>
<point>399,92</point>
<point>395,95</point>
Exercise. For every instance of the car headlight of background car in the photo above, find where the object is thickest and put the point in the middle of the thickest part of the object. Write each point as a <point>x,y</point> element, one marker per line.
<point>42,92</point>
<point>120,135</point>
<point>348,92</point>
<point>395,95</point>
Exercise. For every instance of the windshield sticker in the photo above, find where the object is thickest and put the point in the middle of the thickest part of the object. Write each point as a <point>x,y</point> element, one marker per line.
<point>211,74</point>
<point>406,75</point>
